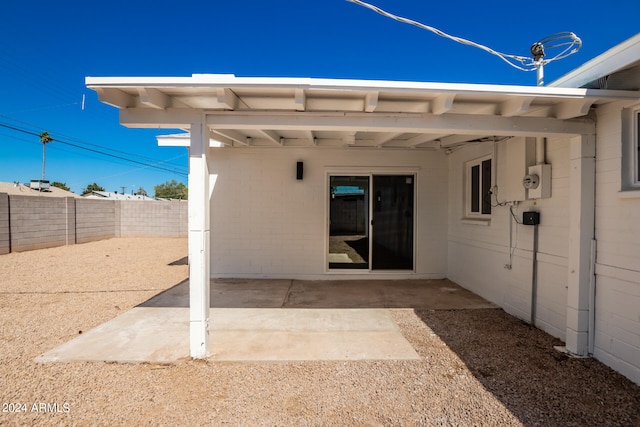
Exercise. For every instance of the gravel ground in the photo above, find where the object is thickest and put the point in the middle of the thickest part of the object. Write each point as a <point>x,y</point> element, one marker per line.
<point>477,367</point>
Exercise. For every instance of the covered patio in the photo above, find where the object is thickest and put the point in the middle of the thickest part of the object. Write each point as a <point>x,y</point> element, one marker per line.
<point>406,128</point>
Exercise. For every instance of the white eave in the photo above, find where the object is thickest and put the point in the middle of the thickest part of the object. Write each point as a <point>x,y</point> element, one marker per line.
<point>277,112</point>
<point>617,58</point>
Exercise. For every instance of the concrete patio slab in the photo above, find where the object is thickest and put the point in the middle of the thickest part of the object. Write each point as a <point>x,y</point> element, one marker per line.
<point>161,335</point>
<point>418,294</point>
<point>270,320</point>
<point>306,334</point>
<point>237,293</point>
<point>139,335</point>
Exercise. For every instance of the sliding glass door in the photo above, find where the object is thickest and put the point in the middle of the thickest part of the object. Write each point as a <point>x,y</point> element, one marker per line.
<point>349,222</point>
<point>371,222</point>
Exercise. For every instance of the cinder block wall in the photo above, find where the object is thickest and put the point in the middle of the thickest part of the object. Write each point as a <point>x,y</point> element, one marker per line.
<point>37,222</point>
<point>28,222</point>
<point>152,218</point>
<point>617,323</point>
<point>267,223</point>
<point>95,220</point>
<point>5,234</point>
<point>71,220</point>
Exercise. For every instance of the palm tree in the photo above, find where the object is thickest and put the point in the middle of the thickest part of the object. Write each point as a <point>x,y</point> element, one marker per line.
<point>45,138</point>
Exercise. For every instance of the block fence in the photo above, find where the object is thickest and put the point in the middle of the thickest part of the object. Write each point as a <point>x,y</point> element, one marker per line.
<point>28,222</point>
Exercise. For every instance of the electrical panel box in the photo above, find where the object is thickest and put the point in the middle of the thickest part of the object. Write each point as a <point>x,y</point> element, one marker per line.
<point>542,175</point>
<point>520,153</point>
<point>531,218</point>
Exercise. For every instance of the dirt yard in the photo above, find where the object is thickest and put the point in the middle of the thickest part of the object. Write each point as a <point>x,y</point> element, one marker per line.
<point>477,367</point>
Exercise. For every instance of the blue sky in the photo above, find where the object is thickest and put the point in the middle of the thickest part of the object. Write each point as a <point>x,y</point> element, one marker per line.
<point>48,48</point>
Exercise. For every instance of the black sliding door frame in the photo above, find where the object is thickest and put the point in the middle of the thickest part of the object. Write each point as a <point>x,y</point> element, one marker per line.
<point>390,199</point>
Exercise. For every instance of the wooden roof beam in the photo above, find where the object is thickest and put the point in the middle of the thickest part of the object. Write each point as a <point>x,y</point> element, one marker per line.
<point>271,136</point>
<point>227,98</point>
<point>515,107</point>
<point>442,103</point>
<point>383,138</point>
<point>573,108</point>
<point>311,137</point>
<point>300,100</point>
<point>371,102</point>
<point>233,135</point>
<point>154,98</point>
<point>115,97</point>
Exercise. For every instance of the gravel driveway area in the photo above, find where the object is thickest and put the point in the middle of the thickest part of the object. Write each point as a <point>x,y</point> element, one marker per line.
<point>477,367</point>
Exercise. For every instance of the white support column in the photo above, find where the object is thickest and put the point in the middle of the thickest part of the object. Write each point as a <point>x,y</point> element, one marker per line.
<point>581,234</point>
<point>199,241</point>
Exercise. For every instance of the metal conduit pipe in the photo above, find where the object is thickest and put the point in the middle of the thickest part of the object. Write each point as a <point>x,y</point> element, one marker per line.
<point>541,148</point>
<point>534,275</point>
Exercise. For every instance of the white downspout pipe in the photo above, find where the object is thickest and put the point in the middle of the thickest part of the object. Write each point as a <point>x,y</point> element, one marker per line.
<point>592,298</point>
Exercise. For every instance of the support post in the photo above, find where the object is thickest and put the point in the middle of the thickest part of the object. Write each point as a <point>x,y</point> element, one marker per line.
<point>199,241</point>
<point>581,234</point>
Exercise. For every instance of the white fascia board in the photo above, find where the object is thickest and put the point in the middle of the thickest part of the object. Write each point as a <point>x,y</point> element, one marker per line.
<point>176,140</point>
<point>232,82</point>
<point>615,59</point>
<point>182,140</point>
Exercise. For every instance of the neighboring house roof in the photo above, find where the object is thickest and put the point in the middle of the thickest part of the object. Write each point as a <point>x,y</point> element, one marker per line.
<point>108,195</point>
<point>18,189</point>
<point>617,68</point>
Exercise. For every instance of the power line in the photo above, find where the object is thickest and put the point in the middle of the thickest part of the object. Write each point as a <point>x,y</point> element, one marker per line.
<point>568,41</point>
<point>148,159</point>
<point>155,166</point>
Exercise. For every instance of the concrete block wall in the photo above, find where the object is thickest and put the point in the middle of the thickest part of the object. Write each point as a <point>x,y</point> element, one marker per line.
<point>71,220</point>
<point>479,250</point>
<point>37,222</point>
<point>617,325</point>
<point>153,218</point>
<point>5,232</point>
<point>96,220</point>
<point>30,222</point>
<point>265,223</point>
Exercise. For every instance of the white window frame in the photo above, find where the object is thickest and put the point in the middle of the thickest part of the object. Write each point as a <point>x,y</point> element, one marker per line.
<point>469,211</point>
<point>631,148</point>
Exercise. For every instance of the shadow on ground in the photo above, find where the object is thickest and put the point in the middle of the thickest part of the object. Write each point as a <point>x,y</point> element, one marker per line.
<point>181,261</point>
<point>278,293</point>
<point>541,386</point>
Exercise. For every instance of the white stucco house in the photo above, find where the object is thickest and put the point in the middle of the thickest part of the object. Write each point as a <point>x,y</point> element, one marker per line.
<point>345,179</point>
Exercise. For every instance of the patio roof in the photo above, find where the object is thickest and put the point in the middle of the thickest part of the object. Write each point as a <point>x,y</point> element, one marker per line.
<point>303,112</point>
<point>316,113</point>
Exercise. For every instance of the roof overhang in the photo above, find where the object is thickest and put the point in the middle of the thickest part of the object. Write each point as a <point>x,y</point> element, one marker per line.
<point>301,112</point>
<point>620,57</point>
